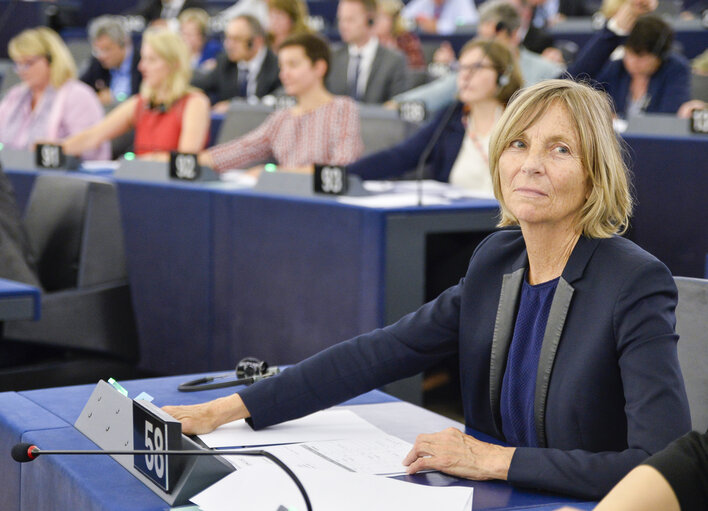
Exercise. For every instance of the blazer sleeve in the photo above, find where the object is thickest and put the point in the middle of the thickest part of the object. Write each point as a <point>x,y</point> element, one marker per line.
<point>359,365</point>
<point>595,55</point>
<point>400,81</point>
<point>656,404</point>
<point>399,159</point>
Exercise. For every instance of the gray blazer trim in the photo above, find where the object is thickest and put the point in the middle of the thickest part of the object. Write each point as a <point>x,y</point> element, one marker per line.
<point>503,331</point>
<point>551,338</point>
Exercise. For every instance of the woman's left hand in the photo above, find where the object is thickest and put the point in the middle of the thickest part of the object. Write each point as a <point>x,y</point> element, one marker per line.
<point>453,452</point>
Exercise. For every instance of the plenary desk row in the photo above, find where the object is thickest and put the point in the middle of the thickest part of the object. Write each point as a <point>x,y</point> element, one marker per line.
<point>217,274</point>
<point>98,483</point>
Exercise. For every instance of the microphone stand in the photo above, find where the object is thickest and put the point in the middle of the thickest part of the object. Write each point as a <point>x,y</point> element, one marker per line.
<point>429,148</point>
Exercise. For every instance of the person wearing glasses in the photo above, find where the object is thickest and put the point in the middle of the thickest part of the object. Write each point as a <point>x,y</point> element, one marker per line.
<point>49,103</point>
<point>113,69</point>
<point>488,76</point>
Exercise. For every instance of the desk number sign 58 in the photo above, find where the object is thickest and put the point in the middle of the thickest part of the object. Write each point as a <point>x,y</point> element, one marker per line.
<point>153,431</point>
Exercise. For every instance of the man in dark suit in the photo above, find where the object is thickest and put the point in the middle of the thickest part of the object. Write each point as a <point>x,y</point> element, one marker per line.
<point>113,69</point>
<point>362,68</point>
<point>246,67</point>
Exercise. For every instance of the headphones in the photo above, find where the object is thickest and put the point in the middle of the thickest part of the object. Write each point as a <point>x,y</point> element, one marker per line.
<point>370,20</point>
<point>658,48</point>
<point>248,370</point>
<point>504,78</point>
<point>249,43</point>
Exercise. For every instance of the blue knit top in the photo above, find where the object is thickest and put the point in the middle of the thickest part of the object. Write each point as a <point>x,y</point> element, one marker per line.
<point>519,384</point>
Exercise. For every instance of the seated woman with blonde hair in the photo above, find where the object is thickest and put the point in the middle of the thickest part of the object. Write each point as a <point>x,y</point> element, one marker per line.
<point>50,103</point>
<point>319,129</point>
<point>167,114</point>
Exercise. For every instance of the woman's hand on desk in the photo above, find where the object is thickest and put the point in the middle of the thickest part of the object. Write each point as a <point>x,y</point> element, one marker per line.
<point>453,452</point>
<point>206,417</point>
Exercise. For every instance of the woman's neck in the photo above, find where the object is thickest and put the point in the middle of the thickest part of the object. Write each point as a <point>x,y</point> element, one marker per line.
<point>483,116</point>
<point>312,99</point>
<point>638,86</point>
<point>548,249</point>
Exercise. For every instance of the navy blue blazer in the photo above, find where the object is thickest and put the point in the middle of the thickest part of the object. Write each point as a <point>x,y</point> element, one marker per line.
<point>669,87</point>
<point>403,157</point>
<point>609,390</point>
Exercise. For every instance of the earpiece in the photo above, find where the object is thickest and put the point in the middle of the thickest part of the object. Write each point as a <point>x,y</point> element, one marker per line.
<point>658,48</point>
<point>504,78</point>
<point>370,21</point>
<point>248,370</point>
<point>501,27</point>
<point>249,43</point>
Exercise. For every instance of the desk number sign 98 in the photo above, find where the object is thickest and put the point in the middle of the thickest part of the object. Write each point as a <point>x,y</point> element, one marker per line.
<point>153,430</point>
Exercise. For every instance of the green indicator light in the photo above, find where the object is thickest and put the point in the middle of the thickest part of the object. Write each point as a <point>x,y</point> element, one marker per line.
<point>129,156</point>
<point>270,167</point>
<point>121,96</point>
<point>1,146</point>
<point>118,387</point>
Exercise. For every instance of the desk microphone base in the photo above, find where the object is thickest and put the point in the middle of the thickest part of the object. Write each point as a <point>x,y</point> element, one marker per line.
<point>107,420</point>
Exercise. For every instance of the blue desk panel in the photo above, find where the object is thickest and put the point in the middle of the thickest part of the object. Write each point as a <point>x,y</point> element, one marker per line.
<point>671,187</point>
<point>44,418</point>
<point>18,300</point>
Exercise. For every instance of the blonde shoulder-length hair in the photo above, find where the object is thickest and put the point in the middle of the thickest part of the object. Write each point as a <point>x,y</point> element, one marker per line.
<point>170,47</point>
<point>609,204</point>
<point>45,42</point>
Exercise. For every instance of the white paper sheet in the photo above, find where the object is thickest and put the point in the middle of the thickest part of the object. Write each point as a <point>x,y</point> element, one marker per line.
<point>267,488</point>
<point>325,425</point>
<point>375,455</point>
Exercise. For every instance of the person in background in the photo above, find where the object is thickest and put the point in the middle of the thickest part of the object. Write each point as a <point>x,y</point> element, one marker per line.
<point>390,30</point>
<point>194,29</point>
<point>699,71</point>
<point>553,312</point>
<point>487,78</point>
<point>246,68</point>
<point>363,68</point>
<point>113,70</point>
<point>675,479</point>
<point>499,20</point>
<point>50,103</point>
<point>319,129</point>
<point>163,11</point>
<point>167,114</point>
<point>286,18</point>
<point>649,77</point>
<point>443,17</point>
<point>256,8</point>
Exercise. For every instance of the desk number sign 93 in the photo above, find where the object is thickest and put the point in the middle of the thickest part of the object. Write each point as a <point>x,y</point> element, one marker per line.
<point>154,430</point>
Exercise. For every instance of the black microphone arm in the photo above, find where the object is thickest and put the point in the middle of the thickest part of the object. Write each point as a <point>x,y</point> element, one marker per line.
<point>24,452</point>
<point>429,148</point>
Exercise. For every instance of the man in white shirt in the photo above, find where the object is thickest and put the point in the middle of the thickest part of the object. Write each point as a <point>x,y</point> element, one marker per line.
<point>441,16</point>
<point>362,68</point>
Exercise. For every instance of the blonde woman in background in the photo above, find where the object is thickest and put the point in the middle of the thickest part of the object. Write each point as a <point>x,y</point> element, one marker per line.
<point>286,18</point>
<point>167,115</point>
<point>194,29</point>
<point>50,103</point>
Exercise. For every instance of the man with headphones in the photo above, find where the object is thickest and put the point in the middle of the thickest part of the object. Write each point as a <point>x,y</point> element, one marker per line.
<point>246,67</point>
<point>649,77</point>
<point>362,68</point>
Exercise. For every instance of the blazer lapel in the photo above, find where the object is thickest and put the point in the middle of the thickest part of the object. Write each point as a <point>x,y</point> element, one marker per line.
<point>503,331</point>
<point>375,65</point>
<point>551,338</point>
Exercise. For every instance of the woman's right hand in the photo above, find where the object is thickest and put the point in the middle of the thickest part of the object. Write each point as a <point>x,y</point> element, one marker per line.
<point>206,417</point>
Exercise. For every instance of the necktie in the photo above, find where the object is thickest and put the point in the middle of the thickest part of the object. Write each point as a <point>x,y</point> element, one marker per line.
<point>243,82</point>
<point>354,82</point>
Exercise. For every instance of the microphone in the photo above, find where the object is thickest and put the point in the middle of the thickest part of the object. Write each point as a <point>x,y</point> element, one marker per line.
<point>429,148</point>
<point>24,452</point>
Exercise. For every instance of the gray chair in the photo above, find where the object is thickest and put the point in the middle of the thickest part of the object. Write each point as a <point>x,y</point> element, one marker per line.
<point>241,118</point>
<point>382,128</point>
<point>692,327</point>
<point>699,87</point>
<point>87,330</point>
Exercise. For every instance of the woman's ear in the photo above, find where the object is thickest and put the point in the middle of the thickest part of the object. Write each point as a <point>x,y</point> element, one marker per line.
<point>320,67</point>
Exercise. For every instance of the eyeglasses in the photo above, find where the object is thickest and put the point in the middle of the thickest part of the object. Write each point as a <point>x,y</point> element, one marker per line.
<point>27,63</point>
<point>473,68</point>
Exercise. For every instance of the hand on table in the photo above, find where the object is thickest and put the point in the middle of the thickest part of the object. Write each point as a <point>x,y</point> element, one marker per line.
<point>206,417</point>
<point>453,452</point>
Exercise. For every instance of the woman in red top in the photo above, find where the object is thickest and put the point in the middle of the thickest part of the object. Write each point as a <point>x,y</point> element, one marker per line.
<point>167,114</point>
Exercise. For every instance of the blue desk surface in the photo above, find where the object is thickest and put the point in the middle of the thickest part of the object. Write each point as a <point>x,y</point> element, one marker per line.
<point>45,418</point>
<point>18,300</point>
